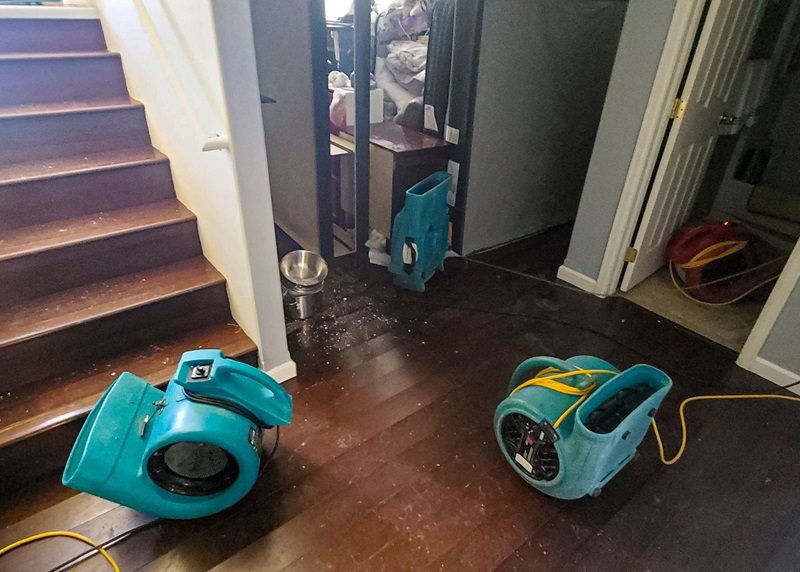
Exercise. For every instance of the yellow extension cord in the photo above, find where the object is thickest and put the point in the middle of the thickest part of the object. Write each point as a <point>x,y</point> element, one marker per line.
<point>542,379</point>
<point>61,533</point>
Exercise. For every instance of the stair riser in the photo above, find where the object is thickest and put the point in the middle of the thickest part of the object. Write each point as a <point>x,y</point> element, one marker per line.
<point>43,137</point>
<point>66,350</point>
<point>45,200</point>
<point>47,452</point>
<point>43,273</point>
<point>23,462</point>
<point>50,35</point>
<point>38,81</point>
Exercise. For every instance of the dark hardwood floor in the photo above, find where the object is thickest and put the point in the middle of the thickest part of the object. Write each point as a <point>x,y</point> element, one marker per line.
<point>391,463</point>
<point>538,255</point>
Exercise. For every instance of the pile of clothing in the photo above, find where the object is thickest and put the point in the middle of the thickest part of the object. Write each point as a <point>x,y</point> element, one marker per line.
<point>401,51</point>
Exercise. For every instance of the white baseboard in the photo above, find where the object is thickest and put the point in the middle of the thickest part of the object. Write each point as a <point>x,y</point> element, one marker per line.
<point>577,279</point>
<point>773,372</point>
<point>283,372</point>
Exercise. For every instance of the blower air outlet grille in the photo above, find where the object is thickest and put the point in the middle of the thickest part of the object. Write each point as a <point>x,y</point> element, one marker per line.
<point>521,439</point>
<point>193,468</point>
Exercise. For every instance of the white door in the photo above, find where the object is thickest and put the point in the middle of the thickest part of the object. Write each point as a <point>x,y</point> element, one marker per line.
<point>722,48</point>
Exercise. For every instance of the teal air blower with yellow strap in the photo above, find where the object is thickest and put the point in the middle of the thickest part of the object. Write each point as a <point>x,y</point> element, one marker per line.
<point>568,426</point>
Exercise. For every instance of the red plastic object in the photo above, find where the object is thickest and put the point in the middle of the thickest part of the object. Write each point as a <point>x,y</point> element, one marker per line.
<point>756,263</point>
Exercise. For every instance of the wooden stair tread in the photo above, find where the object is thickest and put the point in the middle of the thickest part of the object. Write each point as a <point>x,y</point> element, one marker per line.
<point>21,56</point>
<point>72,307</point>
<point>37,408</point>
<point>66,108</point>
<point>75,165</point>
<point>61,107</point>
<point>62,233</point>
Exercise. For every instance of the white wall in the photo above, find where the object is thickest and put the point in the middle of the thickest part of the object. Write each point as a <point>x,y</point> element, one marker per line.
<point>172,52</point>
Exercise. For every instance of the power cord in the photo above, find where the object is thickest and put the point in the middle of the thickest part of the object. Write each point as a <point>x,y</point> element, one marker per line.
<point>66,534</point>
<point>682,416</point>
<point>102,548</point>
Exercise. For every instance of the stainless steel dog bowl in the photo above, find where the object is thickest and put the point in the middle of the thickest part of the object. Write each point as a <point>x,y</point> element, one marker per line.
<point>302,275</point>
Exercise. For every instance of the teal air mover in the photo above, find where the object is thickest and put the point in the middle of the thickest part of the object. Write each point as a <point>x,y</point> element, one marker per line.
<point>187,452</point>
<point>420,233</point>
<point>568,426</point>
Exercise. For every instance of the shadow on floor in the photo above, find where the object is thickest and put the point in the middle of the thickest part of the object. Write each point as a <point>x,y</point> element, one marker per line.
<point>538,255</point>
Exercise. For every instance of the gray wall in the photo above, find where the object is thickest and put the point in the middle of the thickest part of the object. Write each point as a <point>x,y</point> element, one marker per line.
<point>282,34</point>
<point>783,170</point>
<point>542,77</point>
<point>783,342</point>
<point>638,55</point>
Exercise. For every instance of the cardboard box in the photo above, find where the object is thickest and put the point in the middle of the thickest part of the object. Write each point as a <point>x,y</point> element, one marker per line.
<point>375,106</point>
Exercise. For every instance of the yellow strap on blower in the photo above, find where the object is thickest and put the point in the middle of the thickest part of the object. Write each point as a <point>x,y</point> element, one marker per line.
<point>704,257</point>
<point>543,379</point>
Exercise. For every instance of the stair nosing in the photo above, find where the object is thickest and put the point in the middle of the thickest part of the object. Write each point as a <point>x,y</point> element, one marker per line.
<point>56,112</point>
<point>184,216</point>
<point>155,159</point>
<point>46,56</point>
<point>216,281</point>
<point>86,405</point>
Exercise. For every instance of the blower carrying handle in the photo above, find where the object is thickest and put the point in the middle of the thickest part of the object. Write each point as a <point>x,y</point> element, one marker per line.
<point>208,376</point>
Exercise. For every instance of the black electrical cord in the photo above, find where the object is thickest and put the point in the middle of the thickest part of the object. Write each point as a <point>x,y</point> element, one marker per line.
<point>269,456</point>
<point>83,556</point>
<point>225,405</point>
<point>241,411</point>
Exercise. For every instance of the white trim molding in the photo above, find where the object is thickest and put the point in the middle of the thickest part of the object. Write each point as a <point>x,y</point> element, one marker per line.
<point>575,278</point>
<point>749,358</point>
<point>774,373</point>
<point>283,372</point>
<point>65,12</point>
<point>674,57</point>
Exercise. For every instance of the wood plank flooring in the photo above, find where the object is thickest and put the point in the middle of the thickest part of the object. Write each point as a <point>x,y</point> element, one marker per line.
<point>391,463</point>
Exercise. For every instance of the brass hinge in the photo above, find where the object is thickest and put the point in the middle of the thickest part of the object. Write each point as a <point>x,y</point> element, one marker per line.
<point>630,254</point>
<point>678,107</point>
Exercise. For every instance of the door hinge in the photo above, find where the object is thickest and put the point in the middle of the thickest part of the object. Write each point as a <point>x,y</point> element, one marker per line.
<point>630,254</point>
<point>678,107</point>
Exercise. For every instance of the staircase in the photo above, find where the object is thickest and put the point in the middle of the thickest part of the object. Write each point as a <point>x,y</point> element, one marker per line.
<point>101,269</point>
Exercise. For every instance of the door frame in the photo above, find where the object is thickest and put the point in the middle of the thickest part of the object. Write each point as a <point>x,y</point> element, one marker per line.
<point>674,59</point>
<point>319,83</point>
<point>672,65</point>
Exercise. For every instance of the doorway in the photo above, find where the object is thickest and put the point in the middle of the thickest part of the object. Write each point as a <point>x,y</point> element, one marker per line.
<point>729,155</point>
